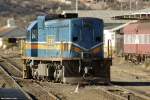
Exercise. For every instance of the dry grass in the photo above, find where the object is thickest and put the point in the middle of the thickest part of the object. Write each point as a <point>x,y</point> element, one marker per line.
<point>147,64</point>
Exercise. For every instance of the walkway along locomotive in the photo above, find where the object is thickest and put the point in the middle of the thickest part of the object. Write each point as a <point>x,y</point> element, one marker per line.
<point>66,49</point>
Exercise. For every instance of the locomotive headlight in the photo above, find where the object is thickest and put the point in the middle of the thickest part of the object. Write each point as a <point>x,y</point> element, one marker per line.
<point>96,50</point>
<point>77,49</point>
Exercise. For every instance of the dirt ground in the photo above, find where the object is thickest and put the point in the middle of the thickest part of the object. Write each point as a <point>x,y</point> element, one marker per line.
<point>131,76</point>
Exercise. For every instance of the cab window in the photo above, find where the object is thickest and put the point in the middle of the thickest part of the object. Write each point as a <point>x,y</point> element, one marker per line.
<point>98,39</point>
<point>34,35</point>
<point>75,39</point>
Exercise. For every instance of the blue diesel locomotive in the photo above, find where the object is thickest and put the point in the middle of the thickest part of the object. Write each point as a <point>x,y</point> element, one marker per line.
<point>66,49</point>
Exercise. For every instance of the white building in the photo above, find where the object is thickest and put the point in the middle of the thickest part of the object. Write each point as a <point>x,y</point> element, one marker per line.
<point>113,39</point>
<point>109,41</point>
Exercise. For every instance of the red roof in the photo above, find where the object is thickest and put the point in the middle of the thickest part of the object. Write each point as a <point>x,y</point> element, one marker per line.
<point>137,28</point>
<point>144,28</point>
<point>130,29</point>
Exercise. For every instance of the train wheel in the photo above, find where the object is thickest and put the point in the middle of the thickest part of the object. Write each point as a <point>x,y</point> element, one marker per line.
<point>27,71</point>
<point>51,71</point>
<point>58,74</point>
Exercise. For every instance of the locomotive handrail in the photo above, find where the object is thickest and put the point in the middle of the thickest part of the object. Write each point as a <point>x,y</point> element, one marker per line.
<point>109,55</point>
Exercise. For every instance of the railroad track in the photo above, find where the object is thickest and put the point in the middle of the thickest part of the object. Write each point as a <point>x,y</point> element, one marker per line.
<point>13,82</point>
<point>127,94</point>
<point>112,91</point>
<point>137,84</point>
<point>11,62</point>
<point>32,87</point>
<point>35,87</point>
<point>11,69</point>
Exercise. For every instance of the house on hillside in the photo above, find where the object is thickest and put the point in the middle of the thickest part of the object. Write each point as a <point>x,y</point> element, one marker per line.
<point>11,36</point>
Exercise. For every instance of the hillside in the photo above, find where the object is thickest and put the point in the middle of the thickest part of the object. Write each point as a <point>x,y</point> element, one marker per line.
<point>26,10</point>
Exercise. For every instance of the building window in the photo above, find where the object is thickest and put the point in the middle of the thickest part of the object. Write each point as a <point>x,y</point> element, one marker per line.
<point>34,35</point>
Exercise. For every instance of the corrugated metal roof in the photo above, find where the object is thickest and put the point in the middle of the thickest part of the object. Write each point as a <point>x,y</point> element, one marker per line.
<point>5,29</point>
<point>12,32</point>
<point>131,28</point>
<point>122,26</point>
<point>134,15</point>
<point>147,10</point>
<point>144,28</point>
<point>106,15</point>
<point>137,28</point>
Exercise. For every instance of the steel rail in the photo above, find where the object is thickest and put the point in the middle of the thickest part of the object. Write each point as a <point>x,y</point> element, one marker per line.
<point>52,96</point>
<point>131,92</point>
<point>14,67</point>
<point>15,83</point>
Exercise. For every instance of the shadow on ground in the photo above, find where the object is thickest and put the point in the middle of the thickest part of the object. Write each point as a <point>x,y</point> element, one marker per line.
<point>131,83</point>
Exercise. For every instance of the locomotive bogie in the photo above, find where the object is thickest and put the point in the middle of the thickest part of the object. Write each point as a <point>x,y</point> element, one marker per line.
<point>70,71</point>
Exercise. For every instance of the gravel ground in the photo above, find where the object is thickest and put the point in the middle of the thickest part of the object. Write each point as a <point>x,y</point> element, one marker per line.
<point>3,82</point>
<point>70,92</point>
<point>131,76</point>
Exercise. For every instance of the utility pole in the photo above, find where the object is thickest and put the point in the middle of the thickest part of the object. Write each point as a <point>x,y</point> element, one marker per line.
<point>121,3</point>
<point>76,6</point>
<point>130,5</point>
<point>136,5</point>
